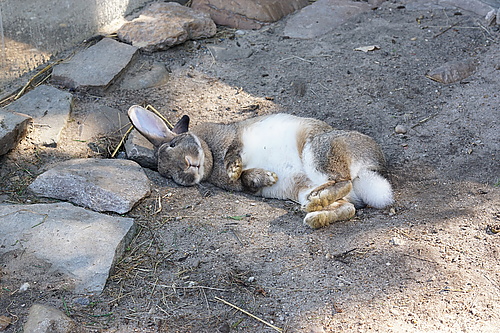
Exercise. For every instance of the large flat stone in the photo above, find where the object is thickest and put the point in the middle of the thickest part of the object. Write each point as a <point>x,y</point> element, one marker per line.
<point>79,244</point>
<point>247,14</point>
<point>102,121</point>
<point>162,25</point>
<point>96,68</point>
<point>50,109</point>
<point>322,17</point>
<point>13,127</point>
<point>103,185</point>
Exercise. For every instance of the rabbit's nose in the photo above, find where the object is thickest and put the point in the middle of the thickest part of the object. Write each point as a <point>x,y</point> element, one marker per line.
<point>191,162</point>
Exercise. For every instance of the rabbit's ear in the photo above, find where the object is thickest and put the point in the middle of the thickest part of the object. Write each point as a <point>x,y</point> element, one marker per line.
<point>150,125</point>
<point>182,125</point>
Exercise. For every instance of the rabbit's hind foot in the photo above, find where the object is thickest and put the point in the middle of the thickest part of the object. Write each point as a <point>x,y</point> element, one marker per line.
<point>323,196</point>
<point>337,211</point>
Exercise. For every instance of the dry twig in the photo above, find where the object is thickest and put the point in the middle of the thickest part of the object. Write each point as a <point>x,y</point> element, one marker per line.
<point>249,314</point>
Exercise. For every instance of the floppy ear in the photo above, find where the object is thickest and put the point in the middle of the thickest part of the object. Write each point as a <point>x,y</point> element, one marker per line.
<point>150,125</point>
<point>182,125</point>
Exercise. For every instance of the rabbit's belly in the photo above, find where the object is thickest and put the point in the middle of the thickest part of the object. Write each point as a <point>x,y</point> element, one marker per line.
<point>272,145</point>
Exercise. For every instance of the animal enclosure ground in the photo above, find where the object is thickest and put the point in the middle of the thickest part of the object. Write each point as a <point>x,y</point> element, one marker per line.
<point>431,262</point>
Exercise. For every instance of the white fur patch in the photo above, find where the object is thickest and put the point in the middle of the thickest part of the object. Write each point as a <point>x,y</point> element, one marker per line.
<point>373,189</point>
<point>271,144</point>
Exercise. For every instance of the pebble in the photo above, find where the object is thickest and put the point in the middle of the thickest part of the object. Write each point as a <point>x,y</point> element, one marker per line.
<point>25,286</point>
<point>397,241</point>
<point>400,129</point>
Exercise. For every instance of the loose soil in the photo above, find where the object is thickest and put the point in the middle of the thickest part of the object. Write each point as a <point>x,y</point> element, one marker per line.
<point>431,262</point>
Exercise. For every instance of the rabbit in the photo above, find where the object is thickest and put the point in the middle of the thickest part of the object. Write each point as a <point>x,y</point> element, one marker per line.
<point>328,172</point>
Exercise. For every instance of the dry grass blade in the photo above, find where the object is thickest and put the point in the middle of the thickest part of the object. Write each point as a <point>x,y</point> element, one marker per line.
<point>249,314</point>
<point>150,107</point>
<point>35,81</point>
<point>36,76</point>
<point>122,141</point>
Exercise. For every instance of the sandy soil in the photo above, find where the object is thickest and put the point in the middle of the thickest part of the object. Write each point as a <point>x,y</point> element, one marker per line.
<point>429,263</point>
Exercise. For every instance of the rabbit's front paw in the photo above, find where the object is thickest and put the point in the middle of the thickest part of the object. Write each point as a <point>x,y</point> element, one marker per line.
<point>255,179</point>
<point>234,169</point>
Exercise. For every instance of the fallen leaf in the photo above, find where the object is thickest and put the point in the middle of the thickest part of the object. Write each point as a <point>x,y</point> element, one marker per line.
<point>367,48</point>
<point>453,71</point>
<point>4,322</point>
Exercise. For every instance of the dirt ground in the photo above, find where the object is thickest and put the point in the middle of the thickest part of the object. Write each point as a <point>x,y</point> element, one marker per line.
<point>429,263</point>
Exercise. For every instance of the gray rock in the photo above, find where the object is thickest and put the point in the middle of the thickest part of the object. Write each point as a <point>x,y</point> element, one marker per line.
<point>322,17</point>
<point>62,239</point>
<point>103,185</point>
<point>47,319</point>
<point>247,14</point>
<point>235,50</point>
<point>155,76</point>
<point>400,129</point>
<point>96,68</point>
<point>50,109</point>
<point>142,151</point>
<point>478,7</point>
<point>162,25</point>
<point>13,127</point>
<point>103,121</point>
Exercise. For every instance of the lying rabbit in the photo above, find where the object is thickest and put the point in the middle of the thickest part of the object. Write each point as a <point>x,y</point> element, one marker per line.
<point>281,156</point>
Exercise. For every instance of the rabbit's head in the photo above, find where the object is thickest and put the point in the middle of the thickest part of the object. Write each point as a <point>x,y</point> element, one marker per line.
<point>181,154</point>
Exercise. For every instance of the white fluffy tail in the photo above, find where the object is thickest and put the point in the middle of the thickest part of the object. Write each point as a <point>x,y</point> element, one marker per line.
<point>371,189</point>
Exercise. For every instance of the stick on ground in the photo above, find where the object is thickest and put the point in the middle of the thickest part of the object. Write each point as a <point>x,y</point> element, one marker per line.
<point>249,314</point>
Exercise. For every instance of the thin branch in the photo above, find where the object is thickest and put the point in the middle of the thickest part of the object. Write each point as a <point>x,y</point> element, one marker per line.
<point>249,314</point>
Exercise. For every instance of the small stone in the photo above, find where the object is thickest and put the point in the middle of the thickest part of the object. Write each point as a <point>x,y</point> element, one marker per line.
<point>400,129</point>
<point>397,241</point>
<point>25,286</point>
<point>395,312</point>
<point>155,76</point>
<point>140,150</point>
<point>84,301</point>
<point>13,127</point>
<point>251,279</point>
<point>43,318</point>
<point>240,49</point>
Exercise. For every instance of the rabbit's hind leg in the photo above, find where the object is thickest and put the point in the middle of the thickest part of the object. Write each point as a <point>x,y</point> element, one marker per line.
<point>338,211</point>
<point>256,178</point>
<point>323,196</point>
